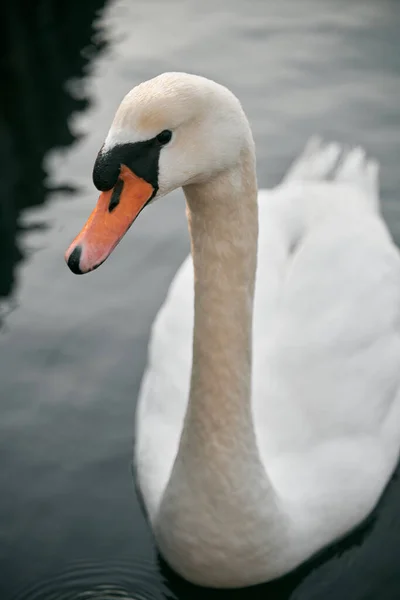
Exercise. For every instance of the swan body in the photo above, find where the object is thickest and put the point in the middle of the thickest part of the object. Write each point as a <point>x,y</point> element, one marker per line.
<point>326,380</point>
<point>268,421</point>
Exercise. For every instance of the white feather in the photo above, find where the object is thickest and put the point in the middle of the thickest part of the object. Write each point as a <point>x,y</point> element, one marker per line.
<point>326,348</point>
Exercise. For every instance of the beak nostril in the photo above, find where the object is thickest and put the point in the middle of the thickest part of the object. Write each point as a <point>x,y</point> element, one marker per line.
<point>74,260</point>
<point>116,195</point>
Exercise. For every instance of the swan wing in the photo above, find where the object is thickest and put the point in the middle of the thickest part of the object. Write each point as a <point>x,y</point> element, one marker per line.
<point>326,366</point>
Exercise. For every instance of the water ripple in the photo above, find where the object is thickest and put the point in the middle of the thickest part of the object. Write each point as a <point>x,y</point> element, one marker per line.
<point>128,579</point>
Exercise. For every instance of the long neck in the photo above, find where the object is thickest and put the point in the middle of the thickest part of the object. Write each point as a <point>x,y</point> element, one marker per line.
<point>218,488</point>
<point>223,223</point>
<point>218,434</point>
<point>219,500</point>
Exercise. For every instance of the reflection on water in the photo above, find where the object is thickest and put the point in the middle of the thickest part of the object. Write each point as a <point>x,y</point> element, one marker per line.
<point>43,41</point>
<point>73,349</point>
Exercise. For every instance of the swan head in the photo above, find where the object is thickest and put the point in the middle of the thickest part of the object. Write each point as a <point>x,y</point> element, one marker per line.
<point>168,132</point>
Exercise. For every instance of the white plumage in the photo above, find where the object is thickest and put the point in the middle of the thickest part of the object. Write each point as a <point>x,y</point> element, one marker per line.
<point>326,355</point>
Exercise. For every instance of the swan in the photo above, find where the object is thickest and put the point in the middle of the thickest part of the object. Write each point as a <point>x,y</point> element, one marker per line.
<point>268,421</point>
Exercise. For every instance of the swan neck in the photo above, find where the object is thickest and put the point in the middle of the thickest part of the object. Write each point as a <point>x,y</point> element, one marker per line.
<point>218,491</point>
<point>223,224</point>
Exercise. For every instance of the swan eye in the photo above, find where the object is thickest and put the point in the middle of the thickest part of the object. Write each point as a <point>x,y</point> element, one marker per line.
<point>164,137</point>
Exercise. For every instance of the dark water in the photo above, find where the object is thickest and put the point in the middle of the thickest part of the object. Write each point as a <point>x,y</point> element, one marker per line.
<point>73,349</point>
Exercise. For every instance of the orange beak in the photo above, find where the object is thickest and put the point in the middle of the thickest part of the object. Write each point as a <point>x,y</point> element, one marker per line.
<point>114,213</point>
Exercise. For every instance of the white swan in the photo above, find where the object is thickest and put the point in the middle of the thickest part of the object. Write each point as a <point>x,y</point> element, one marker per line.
<point>254,451</point>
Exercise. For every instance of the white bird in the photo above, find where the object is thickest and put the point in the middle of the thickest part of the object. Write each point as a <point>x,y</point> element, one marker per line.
<point>268,422</point>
